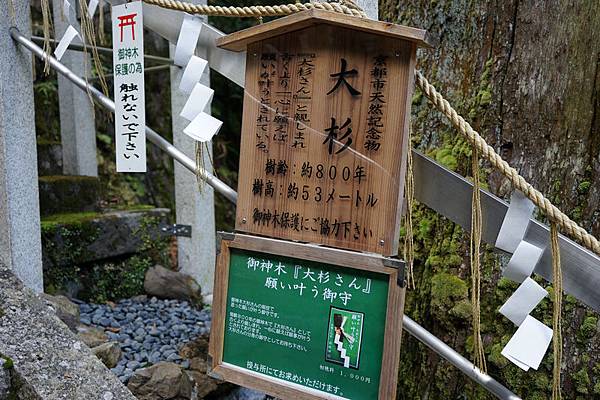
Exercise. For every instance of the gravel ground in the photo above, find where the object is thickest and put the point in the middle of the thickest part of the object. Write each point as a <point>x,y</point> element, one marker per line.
<point>148,331</point>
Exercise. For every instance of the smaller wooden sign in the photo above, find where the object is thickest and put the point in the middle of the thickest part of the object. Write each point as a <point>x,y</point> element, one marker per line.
<point>300,321</point>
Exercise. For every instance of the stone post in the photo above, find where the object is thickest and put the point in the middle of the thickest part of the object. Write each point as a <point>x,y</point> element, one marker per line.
<point>196,255</point>
<point>20,245</point>
<point>77,126</point>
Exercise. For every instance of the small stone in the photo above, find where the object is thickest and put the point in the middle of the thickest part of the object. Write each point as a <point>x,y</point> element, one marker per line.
<point>65,309</point>
<point>166,379</point>
<point>91,336</point>
<point>133,364</point>
<point>109,353</point>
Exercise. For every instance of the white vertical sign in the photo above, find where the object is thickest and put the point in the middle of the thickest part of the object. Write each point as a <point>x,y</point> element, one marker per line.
<point>128,73</point>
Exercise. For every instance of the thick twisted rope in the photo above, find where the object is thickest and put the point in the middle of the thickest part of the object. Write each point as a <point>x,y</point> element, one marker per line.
<point>567,225</point>
<point>256,11</point>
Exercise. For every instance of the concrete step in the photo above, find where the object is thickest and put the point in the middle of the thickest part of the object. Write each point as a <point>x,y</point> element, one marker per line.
<point>65,193</point>
<point>49,156</point>
<point>79,238</point>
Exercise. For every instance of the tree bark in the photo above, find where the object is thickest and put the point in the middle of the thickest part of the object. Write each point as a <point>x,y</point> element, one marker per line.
<point>526,75</point>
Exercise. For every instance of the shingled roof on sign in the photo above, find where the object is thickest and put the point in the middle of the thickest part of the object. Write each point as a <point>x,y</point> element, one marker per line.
<point>238,41</point>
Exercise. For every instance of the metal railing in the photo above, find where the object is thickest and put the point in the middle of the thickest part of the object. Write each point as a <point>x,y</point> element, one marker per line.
<point>420,333</point>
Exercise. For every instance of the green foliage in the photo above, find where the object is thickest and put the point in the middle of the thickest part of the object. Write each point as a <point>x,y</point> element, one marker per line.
<point>582,381</point>
<point>8,362</point>
<point>587,330</point>
<point>45,92</point>
<point>116,279</point>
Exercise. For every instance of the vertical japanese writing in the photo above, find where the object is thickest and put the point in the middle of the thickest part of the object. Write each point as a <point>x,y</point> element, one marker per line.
<point>128,65</point>
<point>283,99</point>
<point>376,104</point>
<point>267,72</point>
<point>303,97</point>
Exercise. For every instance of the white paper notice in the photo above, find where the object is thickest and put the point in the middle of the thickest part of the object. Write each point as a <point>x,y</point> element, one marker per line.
<point>192,74</point>
<point>523,301</point>
<point>203,127</point>
<point>188,38</point>
<point>522,262</point>
<point>128,70</point>
<point>529,344</point>
<point>195,104</point>
<point>515,222</point>
<point>64,43</point>
<point>92,5</point>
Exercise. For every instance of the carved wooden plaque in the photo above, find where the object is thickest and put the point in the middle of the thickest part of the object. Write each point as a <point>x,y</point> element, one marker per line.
<point>324,137</point>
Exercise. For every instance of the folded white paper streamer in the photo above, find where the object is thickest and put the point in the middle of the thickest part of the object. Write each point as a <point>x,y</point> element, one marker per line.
<point>203,127</point>
<point>195,104</point>
<point>92,5</point>
<point>529,344</point>
<point>187,40</point>
<point>515,222</point>
<point>64,43</point>
<point>518,363</point>
<point>192,74</point>
<point>523,301</point>
<point>523,262</point>
<point>66,11</point>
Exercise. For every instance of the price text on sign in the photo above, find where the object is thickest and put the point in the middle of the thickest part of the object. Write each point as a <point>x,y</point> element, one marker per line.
<point>323,149</point>
<point>128,76</point>
<point>312,326</point>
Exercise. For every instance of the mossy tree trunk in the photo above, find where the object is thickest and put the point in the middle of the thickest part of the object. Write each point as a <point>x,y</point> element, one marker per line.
<point>526,75</point>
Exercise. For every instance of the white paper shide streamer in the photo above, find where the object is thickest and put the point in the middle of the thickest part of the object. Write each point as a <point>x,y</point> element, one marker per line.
<point>527,346</point>
<point>128,71</point>
<point>71,32</point>
<point>202,125</point>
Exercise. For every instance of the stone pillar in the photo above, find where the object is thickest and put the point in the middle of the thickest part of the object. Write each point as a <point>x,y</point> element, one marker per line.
<point>196,255</point>
<point>20,245</point>
<point>77,126</point>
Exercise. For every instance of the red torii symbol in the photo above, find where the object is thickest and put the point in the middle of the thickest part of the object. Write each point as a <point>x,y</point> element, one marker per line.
<point>127,20</point>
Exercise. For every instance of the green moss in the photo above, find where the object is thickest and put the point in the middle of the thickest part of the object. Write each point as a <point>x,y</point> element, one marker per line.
<point>52,221</point>
<point>582,381</point>
<point>446,158</point>
<point>8,362</point>
<point>584,187</point>
<point>587,330</point>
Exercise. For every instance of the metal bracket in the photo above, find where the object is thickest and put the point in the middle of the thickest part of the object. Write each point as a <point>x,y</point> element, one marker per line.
<point>400,265</point>
<point>177,230</point>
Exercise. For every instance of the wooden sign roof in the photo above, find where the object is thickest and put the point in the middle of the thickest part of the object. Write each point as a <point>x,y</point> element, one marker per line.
<point>238,41</point>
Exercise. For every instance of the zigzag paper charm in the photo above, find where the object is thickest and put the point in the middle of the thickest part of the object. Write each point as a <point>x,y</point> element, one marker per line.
<point>202,125</point>
<point>530,342</point>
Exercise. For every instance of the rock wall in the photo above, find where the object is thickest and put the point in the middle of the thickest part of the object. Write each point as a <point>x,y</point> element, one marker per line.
<point>526,75</point>
<point>46,359</point>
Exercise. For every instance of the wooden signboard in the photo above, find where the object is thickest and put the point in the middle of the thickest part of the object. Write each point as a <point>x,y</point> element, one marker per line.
<point>300,321</point>
<point>324,131</point>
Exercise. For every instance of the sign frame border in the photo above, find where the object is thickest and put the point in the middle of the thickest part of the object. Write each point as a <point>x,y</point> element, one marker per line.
<point>391,267</point>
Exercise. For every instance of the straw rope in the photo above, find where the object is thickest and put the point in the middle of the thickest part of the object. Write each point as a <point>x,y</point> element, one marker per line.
<point>347,7</point>
<point>480,147</point>
<point>567,225</point>
<point>47,27</point>
<point>557,311</point>
<point>475,245</point>
<point>409,194</point>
